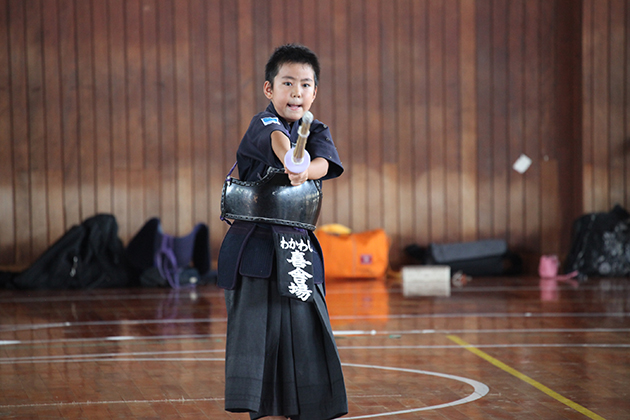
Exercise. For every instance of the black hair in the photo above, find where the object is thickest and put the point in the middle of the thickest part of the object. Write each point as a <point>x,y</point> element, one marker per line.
<point>291,53</point>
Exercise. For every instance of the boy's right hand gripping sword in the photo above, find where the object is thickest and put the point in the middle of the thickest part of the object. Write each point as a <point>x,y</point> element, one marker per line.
<point>297,159</point>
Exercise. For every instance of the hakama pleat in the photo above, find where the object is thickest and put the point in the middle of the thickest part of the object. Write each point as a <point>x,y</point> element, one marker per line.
<point>282,360</point>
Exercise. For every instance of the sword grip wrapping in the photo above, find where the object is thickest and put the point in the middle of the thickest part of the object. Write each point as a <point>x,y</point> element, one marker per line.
<point>297,159</point>
<point>299,166</point>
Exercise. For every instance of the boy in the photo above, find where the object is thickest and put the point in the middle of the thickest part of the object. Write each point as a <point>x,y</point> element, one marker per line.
<point>281,358</point>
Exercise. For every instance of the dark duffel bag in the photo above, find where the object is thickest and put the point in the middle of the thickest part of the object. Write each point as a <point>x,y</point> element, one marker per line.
<point>600,244</point>
<point>88,256</point>
<point>489,257</point>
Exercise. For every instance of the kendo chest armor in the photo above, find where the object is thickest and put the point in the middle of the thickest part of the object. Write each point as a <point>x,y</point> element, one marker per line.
<point>272,199</point>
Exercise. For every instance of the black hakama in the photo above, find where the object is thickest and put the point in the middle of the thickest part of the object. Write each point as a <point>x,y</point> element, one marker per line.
<point>281,358</point>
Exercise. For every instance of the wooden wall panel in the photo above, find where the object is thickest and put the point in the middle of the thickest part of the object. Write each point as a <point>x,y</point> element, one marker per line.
<point>402,40</point>
<point>343,99</point>
<point>358,97</point>
<point>19,130</point>
<point>199,112</point>
<point>324,104</point>
<point>606,105</point>
<point>374,139</point>
<point>183,113</point>
<point>102,111</point>
<point>167,111</point>
<point>436,124</point>
<point>484,85</point>
<point>469,148</point>
<point>85,101</point>
<point>37,144</point>
<point>388,169</point>
<point>620,102</point>
<point>219,161</point>
<point>420,121</point>
<point>150,108</point>
<point>567,117</point>
<point>8,244</point>
<point>452,120</point>
<point>70,111</point>
<point>550,219</point>
<point>499,141</point>
<point>136,108</point>
<point>136,146</point>
<point>55,217</point>
<point>531,131</point>
<point>626,186</point>
<point>515,119</point>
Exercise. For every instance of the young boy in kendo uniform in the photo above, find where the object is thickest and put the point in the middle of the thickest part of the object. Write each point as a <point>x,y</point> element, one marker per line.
<point>281,357</point>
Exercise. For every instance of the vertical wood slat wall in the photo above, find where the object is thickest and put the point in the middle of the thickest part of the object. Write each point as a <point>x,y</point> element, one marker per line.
<point>606,104</point>
<point>136,108</point>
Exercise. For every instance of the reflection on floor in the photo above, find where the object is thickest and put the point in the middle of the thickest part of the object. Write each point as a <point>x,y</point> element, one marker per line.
<point>497,348</point>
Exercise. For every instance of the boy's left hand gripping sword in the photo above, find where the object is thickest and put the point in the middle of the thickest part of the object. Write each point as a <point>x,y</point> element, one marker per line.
<point>297,159</point>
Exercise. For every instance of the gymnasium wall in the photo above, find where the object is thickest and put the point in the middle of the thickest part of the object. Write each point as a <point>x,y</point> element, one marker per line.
<point>136,108</point>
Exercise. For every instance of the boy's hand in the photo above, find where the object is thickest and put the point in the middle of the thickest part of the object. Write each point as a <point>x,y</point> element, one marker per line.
<point>297,179</point>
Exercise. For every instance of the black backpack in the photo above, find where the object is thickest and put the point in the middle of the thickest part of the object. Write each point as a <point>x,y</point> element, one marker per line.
<point>88,256</point>
<point>600,244</point>
<point>160,259</point>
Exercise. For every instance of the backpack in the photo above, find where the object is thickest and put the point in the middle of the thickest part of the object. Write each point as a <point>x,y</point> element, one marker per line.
<point>88,256</point>
<point>160,259</point>
<point>600,244</point>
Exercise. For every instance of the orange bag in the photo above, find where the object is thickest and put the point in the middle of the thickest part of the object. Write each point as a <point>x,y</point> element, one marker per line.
<point>355,255</point>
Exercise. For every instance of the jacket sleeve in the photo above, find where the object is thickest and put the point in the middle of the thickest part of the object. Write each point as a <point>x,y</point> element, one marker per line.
<point>320,144</point>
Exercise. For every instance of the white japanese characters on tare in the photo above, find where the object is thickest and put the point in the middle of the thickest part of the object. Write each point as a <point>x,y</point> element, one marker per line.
<point>298,249</point>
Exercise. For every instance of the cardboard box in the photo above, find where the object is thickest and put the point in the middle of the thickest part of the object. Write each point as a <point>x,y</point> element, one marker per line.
<point>426,280</point>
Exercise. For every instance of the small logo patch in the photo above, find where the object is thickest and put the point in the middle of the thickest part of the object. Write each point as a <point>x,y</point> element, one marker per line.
<point>366,259</point>
<point>270,120</point>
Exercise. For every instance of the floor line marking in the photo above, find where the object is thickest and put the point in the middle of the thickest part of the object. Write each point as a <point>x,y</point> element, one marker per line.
<point>373,347</point>
<point>90,357</point>
<point>577,407</point>
<point>81,403</point>
<point>479,391</point>
<point>353,333</point>
<point>25,327</point>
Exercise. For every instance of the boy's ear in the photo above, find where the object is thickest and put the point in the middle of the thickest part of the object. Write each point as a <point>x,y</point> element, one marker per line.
<point>268,89</point>
<point>314,92</point>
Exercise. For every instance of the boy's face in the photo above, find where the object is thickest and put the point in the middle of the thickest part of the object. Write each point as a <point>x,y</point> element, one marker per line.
<point>293,90</point>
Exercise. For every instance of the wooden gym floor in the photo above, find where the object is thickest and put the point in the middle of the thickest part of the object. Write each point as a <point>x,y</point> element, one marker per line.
<point>497,348</point>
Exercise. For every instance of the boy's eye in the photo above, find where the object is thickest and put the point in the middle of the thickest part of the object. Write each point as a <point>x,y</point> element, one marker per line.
<point>306,85</point>
<point>287,83</point>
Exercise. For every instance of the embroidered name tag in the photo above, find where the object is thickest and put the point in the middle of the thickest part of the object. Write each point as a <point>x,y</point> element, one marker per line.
<point>295,265</point>
<point>270,120</point>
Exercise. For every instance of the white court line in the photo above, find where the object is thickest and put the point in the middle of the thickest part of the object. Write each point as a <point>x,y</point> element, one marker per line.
<point>331,290</point>
<point>112,338</point>
<point>104,355</point>
<point>482,331</point>
<point>24,327</point>
<point>104,298</point>
<point>130,356</point>
<point>479,389</point>
<point>489,315</point>
<point>489,346</point>
<point>340,333</point>
<point>83,403</point>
